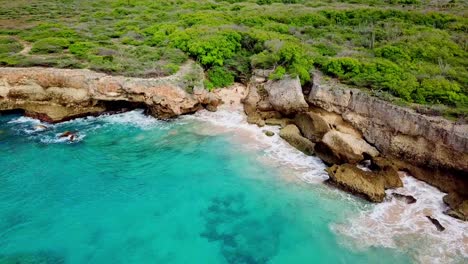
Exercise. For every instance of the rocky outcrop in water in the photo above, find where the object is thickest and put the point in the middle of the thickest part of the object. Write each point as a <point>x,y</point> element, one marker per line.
<point>293,136</point>
<point>56,95</point>
<point>458,205</point>
<point>408,199</point>
<point>358,181</point>
<point>436,223</point>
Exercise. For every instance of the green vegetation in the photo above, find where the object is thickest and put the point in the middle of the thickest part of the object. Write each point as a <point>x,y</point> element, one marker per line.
<point>50,45</point>
<point>408,51</point>
<point>9,45</point>
<point>219,77</point>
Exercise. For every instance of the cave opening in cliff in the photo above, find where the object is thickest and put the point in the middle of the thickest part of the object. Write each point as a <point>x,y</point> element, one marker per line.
<point>121,106</point>
<point>12,112</point>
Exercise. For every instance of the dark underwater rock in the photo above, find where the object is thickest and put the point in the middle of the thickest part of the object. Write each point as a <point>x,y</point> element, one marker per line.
<point>406,198</point>
<point>436,223</point>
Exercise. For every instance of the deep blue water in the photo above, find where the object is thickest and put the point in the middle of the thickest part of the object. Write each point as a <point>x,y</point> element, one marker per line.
<point>136,190</point>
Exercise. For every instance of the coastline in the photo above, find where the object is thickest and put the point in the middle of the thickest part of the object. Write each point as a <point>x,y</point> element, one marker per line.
<point>400,226</point>
<point>391,224</point>
<point>356,129</point>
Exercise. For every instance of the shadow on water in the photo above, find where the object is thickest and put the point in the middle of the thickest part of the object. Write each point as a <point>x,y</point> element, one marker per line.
<point>242,235</point>
<point>41,257</point>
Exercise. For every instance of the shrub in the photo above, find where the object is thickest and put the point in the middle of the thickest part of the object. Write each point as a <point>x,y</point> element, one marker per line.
<point>392,53</point>
<point>264,2</point>
<point>81,49</point>
<point>10,60</point>
<point>326,49</point>
<point>7,40</point>
<point>278,73</point>
<point>439,90</point>
<point>342,67</point>
<point>220,77</point>
<point>239,65</point>
<point>48,30</point>
<point>209,48</point>
<point>9,45</point>
<point>290,55</point>
<point>376,74</point>
<point>50,45</point>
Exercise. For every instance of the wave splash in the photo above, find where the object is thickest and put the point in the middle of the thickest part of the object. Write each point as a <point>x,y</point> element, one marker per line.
<point>277,151</point>
<point>47,133</point>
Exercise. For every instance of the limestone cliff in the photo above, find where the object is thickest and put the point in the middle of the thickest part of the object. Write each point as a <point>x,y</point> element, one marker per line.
<point>56,95</point>
<point>348,127</point>
<point>436,148</point>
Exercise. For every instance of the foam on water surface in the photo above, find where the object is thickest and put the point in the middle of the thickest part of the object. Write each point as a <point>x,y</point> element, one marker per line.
<point>391,224</point>
<point>137,157</point>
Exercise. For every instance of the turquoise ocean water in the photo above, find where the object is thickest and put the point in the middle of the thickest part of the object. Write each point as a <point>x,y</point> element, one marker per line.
<point>132,189</point>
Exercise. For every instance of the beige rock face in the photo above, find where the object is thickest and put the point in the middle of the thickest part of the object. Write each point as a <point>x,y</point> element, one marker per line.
<point>286,95</point>
<point>348,148</point>
<point>352,179</point>
<point>386,169</point>
<point>293,136</point>
<point>312,125</point>
<point>400,132</point>
<point>458,205</point>
<point>432,149</point>
<point>58,94</point>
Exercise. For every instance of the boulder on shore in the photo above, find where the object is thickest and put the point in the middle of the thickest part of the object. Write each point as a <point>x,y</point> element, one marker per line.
<point>388,171</point>
<point>347,148</point>
<point>436,223</point>
<point>256,119</point>
<point>363,183</point>
<point>312,125</point>
<point>408,199</point>
<point>286,95</point>
<point>293,136</point>
<point>458,206</point>
<point>282,122</point>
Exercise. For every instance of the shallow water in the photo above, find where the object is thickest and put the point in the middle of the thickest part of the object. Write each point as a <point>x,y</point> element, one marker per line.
<point>132,189</point>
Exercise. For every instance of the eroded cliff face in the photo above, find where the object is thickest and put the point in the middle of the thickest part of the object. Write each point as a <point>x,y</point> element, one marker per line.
<point>419,139</point>
<point>435,149</point>
<point>56,95</point>
<point>349,128</point>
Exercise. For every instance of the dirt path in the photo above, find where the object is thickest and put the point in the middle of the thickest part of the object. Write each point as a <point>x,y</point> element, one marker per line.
<point>27,47</point>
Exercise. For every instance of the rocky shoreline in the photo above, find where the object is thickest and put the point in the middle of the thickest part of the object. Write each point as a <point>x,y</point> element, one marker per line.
<point>366,141</point>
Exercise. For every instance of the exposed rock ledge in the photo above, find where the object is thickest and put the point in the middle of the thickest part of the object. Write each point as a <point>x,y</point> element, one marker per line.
<point>349,128</point>
<point>436,148</point>
<point>56,95</point>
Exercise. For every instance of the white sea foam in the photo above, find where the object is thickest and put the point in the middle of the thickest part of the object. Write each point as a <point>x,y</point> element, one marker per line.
<point>310,169</point>
<point>391,224</point>
<point>23,120</point>
<point>51,133</point>
<point>395,224</point>
<point>57,138</point>
<point>134,118</point>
